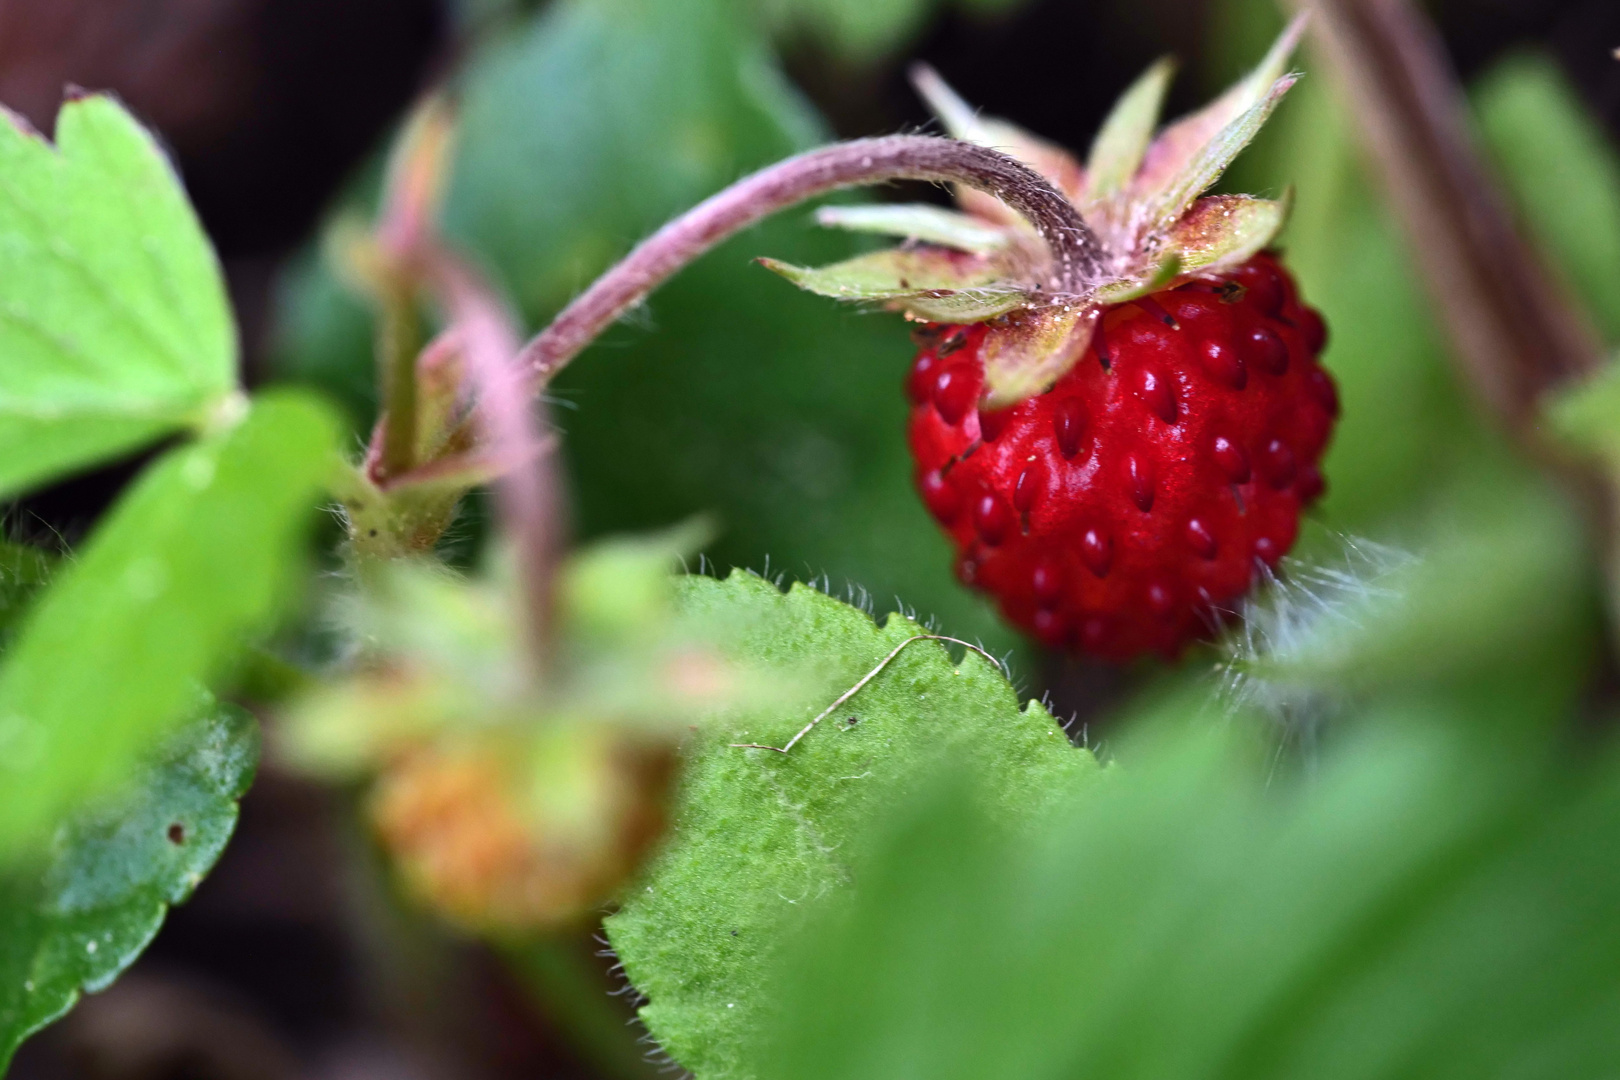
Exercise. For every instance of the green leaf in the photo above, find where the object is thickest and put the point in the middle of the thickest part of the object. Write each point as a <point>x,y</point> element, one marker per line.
<point>861,31</point>
<point>74,921</point>
<point>1117,151</point>
<point>934,283</point>
<point>114,324</point>
<point>1419,903</point>
<point>1564,172</point>
<point>1587,414</point>
<point>601,120</point>
<point>23,571</point>
<point>195,557</point>
<point>757,832</point>
<point>864,31</point>
<point>917,221</point>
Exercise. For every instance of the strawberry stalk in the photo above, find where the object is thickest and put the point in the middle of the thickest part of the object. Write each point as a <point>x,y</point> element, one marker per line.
<point>1076,254</point>
<point>399,341</point>
<point>1514,332</point>
<point>411,203</point>
<point>1517,337</point>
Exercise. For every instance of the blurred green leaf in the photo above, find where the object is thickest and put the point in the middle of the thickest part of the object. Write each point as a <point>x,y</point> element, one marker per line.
<point>23,571</point>
<point>1421,903</point>
<point>601,120</point>
<point>1563,172</point>
<point>617,589</point>
<point>1411,463</point>
<point>778,412</point>
<point>858,31</point>
<point>758,833</point>
<point>116,326</point>
<point>195,556</point>
<point>864,31</point>
<point>1486,581</point>
<point>1587,414</point>
<point>75,920</point>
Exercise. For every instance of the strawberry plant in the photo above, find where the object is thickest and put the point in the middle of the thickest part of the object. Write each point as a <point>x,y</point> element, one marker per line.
<point>1352,811</point>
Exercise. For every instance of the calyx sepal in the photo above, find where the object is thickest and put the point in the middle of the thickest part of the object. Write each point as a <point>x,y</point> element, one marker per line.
<point>1139,193</point>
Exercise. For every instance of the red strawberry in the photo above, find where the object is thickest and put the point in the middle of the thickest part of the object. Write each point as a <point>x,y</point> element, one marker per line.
<point>1115,457</point>
<point>1120,510</point>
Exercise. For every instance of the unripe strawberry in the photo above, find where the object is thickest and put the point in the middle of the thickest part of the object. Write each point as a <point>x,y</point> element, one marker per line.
<point>1118,435</point>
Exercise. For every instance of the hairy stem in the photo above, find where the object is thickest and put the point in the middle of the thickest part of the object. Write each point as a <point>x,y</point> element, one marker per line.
<point>1076,254</point>
<point>399,339</point>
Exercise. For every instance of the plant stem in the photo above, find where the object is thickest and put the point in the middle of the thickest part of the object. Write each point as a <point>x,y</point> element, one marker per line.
<point>529,492</point>
<point>399,339</point>
<point>570,992</point>
<point>1515,332</point>
<point>1076,253</point>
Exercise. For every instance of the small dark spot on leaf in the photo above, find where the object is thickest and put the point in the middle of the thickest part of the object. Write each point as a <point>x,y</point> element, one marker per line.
<point>734,933</point>
<point>177,833</point>
<point>852,721</point>
<point>371,532</point>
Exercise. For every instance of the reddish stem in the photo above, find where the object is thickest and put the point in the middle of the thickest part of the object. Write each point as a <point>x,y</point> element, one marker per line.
<point>1515,333</point>
<point>529,492</point>
<point>1075,250</point>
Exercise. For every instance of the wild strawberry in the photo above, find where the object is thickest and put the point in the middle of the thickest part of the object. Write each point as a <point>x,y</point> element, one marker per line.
<point>1119,510</point>
<point>1115,462</point>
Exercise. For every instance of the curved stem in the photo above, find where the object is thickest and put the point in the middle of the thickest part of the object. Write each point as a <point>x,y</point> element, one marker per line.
<point>1075,250</point>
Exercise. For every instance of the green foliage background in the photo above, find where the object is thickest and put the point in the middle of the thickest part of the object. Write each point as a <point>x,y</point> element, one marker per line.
<point>1373,855</point>
<point>730,393</point>
<point>1378,848</point>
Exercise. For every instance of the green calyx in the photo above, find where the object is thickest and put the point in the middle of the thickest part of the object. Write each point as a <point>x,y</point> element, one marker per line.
<point>1140,192</point>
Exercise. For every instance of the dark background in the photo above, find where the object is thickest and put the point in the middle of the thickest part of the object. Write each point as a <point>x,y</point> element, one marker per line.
<point>280,968</point>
